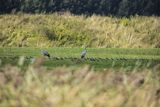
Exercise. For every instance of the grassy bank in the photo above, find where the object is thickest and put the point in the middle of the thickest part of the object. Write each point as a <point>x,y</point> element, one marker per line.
<point>25,30</point>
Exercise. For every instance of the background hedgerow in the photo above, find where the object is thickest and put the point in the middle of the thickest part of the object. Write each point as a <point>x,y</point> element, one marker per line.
<point>88,7</point>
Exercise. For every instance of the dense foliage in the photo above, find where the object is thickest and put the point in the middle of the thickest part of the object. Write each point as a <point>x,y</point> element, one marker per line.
<point>103,7</point>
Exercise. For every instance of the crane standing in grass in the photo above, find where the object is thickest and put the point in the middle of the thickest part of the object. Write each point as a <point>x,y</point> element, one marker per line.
<point>45,53</point>
<point>83,54</point>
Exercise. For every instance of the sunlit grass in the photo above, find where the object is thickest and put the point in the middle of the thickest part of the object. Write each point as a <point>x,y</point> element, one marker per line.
<point>77,31</point>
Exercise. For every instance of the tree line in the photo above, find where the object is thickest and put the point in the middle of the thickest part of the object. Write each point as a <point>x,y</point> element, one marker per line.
<point>88,7</point>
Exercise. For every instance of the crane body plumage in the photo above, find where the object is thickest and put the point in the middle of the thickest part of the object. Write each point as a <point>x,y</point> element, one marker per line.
<point>45,53</point>
<point>83,54</point>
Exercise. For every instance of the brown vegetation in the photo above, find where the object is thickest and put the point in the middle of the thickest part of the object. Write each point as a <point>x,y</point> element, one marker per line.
<point>66,87</point>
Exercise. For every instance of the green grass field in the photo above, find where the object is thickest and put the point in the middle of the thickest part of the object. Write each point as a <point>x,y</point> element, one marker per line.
<point>99,58</point>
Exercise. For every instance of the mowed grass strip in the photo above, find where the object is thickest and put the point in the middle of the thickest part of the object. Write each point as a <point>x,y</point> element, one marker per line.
<point>63,52</point>
<point>99,58</point>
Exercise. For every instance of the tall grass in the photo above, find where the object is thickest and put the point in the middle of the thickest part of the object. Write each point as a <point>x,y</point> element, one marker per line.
<point>48,30</point>
<point>69,87</point>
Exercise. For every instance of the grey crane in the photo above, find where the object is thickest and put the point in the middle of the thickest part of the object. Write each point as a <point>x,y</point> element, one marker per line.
<point>45,53</point>
<point>83,54</point>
